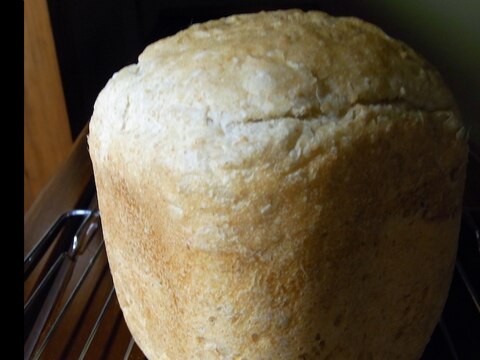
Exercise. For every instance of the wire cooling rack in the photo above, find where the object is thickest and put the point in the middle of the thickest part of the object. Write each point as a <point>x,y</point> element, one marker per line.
<point>71,310</point>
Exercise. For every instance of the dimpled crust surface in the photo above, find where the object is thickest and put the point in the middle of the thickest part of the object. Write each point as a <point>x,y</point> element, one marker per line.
<point>280,185</point>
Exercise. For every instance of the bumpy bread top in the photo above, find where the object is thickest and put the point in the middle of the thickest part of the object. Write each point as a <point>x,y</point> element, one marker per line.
<point>251,90</point>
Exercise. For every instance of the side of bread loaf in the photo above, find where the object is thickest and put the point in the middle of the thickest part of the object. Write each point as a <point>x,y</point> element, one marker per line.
<point>281,185</point>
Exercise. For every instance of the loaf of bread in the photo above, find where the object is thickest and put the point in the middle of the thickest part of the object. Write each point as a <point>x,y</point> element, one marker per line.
<point>280,185</point>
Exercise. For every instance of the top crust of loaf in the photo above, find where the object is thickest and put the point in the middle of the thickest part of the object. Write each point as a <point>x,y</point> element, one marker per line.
<point>255,90</point>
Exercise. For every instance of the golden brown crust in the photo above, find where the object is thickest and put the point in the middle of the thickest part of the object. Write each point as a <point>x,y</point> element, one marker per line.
<point>260,230</point>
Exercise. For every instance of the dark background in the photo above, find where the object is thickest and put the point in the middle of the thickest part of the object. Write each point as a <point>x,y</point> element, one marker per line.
<point>95,38</point>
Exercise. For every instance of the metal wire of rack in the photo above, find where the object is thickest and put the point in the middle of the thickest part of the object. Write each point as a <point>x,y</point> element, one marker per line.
<point>72,310</point>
